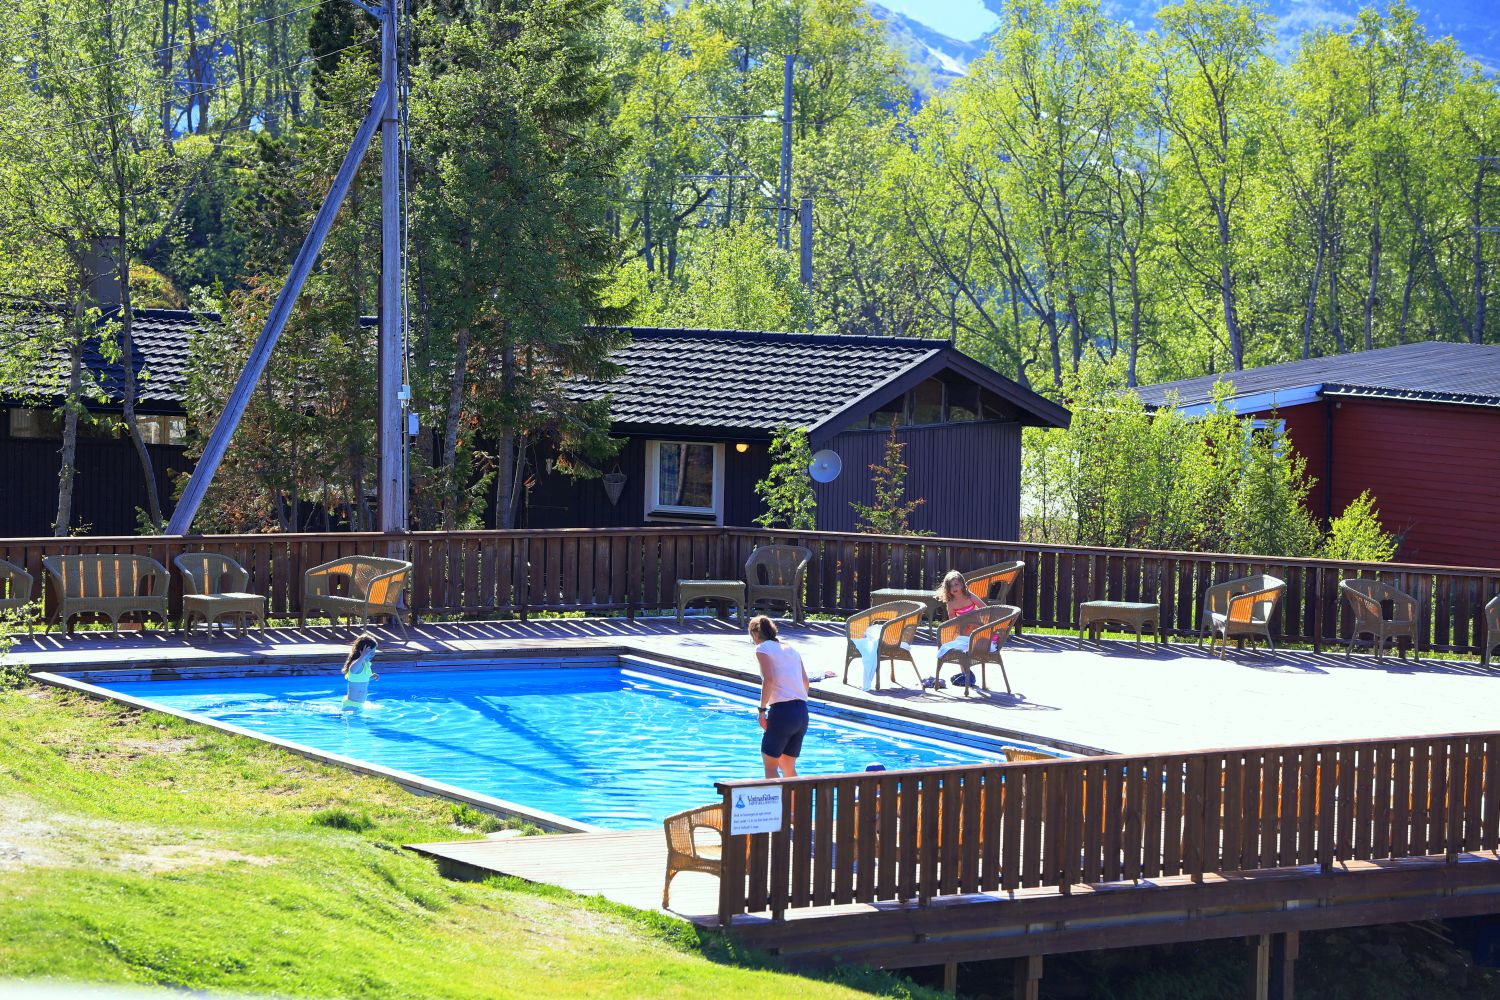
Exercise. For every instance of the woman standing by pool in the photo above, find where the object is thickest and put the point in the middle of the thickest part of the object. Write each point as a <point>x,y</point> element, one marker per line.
<point>783,699</point>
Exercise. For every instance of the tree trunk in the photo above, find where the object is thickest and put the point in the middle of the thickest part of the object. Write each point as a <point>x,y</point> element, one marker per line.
<point>71,405</point>
<point>1476,330</point>
<point>127,355</point>
<point>1133,271</point>
<point>1312,296</point>
<point>1374,285</point>
<point>1335,319</point>
<point>508,460</point>
<point>1411,280</point>
<point>1226,283</point>
<point>450,430</point>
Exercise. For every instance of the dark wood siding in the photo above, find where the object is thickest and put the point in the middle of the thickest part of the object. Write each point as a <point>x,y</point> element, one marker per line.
<point>106,491</point>
<point>968,474</point>
<point>559,501</point>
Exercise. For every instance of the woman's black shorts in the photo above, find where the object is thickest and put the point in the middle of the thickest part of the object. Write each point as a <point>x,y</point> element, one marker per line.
<point>786,724</point>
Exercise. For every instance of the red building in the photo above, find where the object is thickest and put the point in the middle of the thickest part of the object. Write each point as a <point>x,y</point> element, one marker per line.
<point>1416,425</point>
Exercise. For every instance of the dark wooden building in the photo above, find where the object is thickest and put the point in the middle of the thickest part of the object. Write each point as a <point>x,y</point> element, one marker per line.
<point>697,409</point>
<point>1417,425</point>
<point>108,485</point>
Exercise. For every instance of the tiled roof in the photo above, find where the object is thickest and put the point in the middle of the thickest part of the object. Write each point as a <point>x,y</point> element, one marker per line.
<point>1433,371</point>
<point>745,380</point>
<point>162,339</point>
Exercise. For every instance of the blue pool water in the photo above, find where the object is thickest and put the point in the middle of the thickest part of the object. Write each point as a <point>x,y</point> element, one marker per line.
<point>615,747</point>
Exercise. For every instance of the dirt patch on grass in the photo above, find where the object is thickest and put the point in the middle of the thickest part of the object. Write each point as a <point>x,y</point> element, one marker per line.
<point>32,837</point>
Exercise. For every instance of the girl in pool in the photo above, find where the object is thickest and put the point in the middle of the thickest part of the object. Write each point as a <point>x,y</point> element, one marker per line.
<point>359,672</point>
<point>783,699</point>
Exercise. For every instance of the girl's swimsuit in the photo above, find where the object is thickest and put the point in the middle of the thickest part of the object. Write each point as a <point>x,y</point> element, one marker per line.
<point>359,681</point>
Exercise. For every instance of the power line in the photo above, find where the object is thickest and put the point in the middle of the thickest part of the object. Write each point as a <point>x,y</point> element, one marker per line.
<point>81,20</point>
<point>179,98</point>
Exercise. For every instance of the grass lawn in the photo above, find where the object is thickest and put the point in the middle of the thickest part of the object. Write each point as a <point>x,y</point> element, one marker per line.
<point>139,848</point>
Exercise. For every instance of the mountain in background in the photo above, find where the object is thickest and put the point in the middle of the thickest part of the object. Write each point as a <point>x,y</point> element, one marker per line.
<point>936,59</point>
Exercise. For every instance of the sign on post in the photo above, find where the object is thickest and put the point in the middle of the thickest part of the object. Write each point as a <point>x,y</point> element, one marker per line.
<point>755,810</point>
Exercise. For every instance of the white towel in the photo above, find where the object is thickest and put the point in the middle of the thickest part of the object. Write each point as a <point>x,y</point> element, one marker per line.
<point>869,654</point>
<point>958,645</point>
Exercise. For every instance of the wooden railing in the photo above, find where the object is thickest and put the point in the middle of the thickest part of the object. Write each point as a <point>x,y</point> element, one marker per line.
<point>845,568</point>
<point>636,569</point>
<point>919,835</point>
<point>455,573</point>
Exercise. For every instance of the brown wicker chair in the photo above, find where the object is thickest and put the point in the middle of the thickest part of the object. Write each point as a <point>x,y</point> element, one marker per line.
<point>1367,599</point>
<point>1491,628</point>
<point>898,621</point>
<point>111,586</point>
<point>684,852</point>
<point>1240,609</point>
<point>993,584</point>
<point>775,574</point>
<point>987,629</point>
<point>374,589</point>
<point>214,586</point>
<point>1014,755</point>
<point>15,592</point>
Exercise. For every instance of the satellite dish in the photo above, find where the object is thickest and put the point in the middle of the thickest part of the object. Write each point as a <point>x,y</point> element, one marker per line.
<point>826,466</point>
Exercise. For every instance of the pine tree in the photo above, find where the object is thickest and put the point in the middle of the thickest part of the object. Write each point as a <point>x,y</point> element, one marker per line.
<point>891,512</point>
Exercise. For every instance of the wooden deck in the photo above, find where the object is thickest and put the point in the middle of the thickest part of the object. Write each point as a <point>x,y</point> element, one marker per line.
<point>1108,697</point>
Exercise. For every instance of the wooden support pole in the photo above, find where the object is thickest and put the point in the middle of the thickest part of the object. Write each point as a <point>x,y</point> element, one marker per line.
<point>950,979</point>
<point>1028,978</point>
<point>1284,951</point>
<point>1260,968</point>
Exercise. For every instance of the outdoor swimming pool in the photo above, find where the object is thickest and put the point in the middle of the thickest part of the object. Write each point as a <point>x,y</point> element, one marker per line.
<point>616,746</point>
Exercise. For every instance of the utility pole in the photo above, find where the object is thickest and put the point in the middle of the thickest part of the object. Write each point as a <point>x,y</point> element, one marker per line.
<point>806,243</point>
<point>784,213</point>
<point>391,488</point>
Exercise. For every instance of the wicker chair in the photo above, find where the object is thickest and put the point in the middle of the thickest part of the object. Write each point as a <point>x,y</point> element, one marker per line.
<point>898,621</point>
<point>1015,755</point>
<point>205,594</point>
<point>993,584</point>
<point>684,853</point>
<point>1491,628</point>
<point>1367,599</point>
<point>374,589</point>
<point>112,586</point>
<point>1240,609</point>
<point>774,574</point>
<point>986,629</point>
<point>15,591</point>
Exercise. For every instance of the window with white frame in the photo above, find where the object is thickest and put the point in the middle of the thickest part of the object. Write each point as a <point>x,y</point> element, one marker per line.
<point>685,478</point>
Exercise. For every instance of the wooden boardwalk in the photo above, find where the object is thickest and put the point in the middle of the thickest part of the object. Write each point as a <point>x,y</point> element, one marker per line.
<point>1110,697</point>
<point>626,866</point>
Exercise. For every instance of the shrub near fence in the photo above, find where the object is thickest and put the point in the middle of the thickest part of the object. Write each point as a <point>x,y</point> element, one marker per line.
<point>635,570</point>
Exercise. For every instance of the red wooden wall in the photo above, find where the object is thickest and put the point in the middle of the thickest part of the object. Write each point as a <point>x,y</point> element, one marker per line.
<point>1434,470</point>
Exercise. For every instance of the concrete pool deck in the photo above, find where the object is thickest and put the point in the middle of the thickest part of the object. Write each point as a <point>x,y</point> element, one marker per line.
<point>1111,698</point>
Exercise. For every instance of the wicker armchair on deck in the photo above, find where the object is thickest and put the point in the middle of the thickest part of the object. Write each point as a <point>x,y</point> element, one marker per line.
<point>774,574</point>
<point>1240,609</point>
<point>1367,600</point>
<point>1016,755</point>
<point>15,590</point>
<point>897,623</point>
<point>974,639</point>
<point>214,586</point>
<point>684,852</point>
<point>373,585</point>
<point>1491,628</point>
<point>993,584</point>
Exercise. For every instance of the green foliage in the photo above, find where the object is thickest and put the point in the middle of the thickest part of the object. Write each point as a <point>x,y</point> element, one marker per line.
<point>200,847</point>
<point>787,489</point>
<point>1357,534</point>
<point>1125,476</point>
<point>891,512</point>
<point>342,819</point>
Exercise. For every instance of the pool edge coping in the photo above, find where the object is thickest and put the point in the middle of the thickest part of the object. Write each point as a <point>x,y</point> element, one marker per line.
<point>547,821</point>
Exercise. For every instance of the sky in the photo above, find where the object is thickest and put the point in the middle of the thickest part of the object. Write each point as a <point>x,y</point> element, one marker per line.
<point>962,19</point>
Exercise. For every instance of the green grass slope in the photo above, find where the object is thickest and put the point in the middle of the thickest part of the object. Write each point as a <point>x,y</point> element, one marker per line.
<point>138,848</point>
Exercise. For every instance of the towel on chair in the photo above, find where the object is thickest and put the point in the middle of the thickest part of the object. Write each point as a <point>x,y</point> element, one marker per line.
<point>869,653</point>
